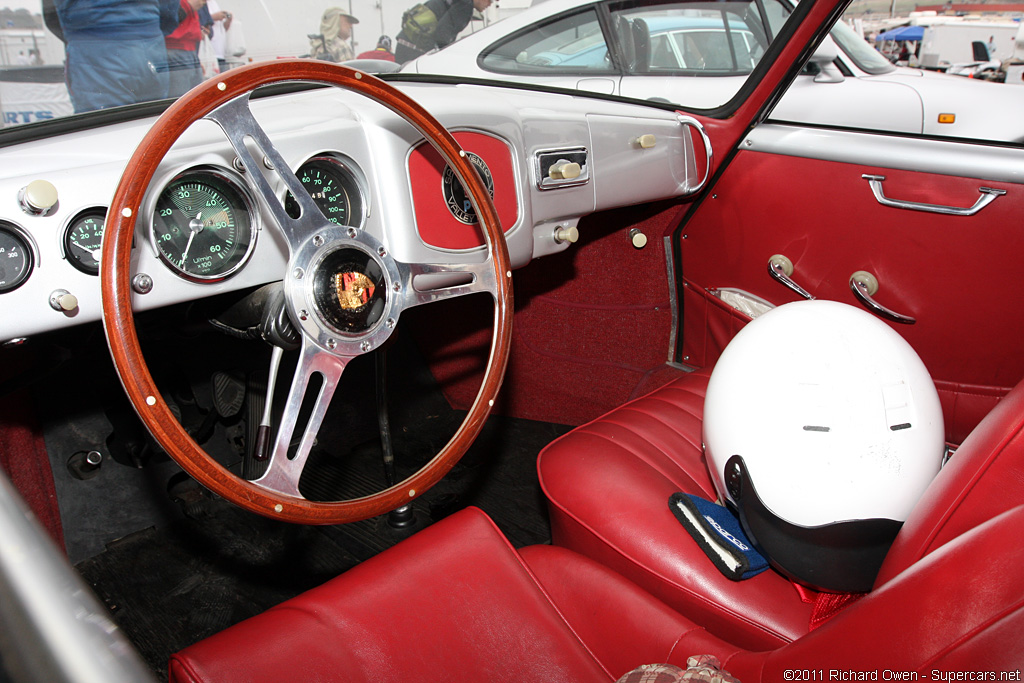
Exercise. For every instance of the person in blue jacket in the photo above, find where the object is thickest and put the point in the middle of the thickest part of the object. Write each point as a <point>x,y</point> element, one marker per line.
<point>114,49</point>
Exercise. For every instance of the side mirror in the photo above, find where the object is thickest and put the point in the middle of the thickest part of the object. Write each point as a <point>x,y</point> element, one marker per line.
<point>824,59</point>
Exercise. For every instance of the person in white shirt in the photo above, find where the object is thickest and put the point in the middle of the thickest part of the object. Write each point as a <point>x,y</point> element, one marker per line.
<point>218,36</point>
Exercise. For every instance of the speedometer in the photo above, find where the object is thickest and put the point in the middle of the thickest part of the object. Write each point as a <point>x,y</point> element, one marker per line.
<point>203,225</point>
<point>333,188</point>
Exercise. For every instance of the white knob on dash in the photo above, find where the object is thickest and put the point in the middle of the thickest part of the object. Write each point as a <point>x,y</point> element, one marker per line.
<point>38,197</point>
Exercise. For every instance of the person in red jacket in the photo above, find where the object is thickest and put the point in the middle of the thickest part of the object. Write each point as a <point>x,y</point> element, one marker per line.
<point>183,50</point>
<point>382,51</point>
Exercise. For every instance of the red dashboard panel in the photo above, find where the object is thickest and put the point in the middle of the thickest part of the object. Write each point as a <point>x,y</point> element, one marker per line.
<point>437,225</point>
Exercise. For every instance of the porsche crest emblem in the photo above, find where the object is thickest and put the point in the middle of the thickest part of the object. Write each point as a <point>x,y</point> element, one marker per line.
<point>354,289</point>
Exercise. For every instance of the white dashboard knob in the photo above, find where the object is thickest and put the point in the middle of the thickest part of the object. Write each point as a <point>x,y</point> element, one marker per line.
<point>567,233</point>
<point>564,170</point>
<point>646,141</point>
<point>38,198</point>
<point>63,300</point>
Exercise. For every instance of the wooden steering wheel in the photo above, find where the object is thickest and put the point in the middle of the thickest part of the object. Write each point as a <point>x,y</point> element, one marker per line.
<point>320,252</point>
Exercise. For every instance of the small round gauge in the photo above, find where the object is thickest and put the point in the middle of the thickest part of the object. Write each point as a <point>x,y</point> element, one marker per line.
<point>83,239</point>
<point>455,195</point>
<point>15,257</point>
<point>203,225</point>
<point>333,188</point>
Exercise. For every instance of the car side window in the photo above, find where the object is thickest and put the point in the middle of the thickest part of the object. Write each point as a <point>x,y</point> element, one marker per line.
<point>695,38</point>
<point>569,44</point>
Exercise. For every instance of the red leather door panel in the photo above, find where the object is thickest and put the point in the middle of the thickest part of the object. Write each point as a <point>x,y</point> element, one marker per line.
<point>960,277</point>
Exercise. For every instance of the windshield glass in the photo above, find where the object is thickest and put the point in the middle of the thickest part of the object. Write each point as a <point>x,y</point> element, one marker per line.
<point>860,51</point>
<point>67,57</point>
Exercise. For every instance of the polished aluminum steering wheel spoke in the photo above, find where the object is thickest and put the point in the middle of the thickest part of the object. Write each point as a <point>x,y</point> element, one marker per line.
<point>283,473</point>
<point>235,118</point>
<point>426,283</point>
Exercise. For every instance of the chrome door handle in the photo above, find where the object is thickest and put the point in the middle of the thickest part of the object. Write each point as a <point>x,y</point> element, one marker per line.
<point>780,268</point>
<point>988,195</point>
<point>863,284</point>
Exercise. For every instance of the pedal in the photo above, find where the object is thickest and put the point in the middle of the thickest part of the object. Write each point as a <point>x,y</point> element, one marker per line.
<point>228,394</point>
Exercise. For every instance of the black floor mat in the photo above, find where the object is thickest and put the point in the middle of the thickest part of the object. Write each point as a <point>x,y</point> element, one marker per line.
<point>172,586</point>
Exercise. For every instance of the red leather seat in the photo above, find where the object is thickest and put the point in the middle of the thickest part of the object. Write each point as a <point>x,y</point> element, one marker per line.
<point>608,485</point>
<point>456,602</point>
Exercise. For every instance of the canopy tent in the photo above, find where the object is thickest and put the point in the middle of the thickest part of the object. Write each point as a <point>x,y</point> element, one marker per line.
<point>902,33</point>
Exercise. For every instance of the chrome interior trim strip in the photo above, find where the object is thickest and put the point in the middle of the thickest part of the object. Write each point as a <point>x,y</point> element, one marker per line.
<point>673,297</point>
<point>908,153</point>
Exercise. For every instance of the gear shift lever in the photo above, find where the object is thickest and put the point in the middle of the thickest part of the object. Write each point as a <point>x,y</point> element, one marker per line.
<point>403,517</point>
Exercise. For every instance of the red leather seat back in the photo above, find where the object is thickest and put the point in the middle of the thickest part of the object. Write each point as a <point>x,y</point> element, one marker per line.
<point>959,609</point>
<point>982,480</point>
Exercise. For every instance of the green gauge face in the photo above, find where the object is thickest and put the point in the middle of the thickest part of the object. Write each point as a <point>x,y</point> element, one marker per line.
<point>333,189</point>
<point>83,240</point>
<point>203,226</point>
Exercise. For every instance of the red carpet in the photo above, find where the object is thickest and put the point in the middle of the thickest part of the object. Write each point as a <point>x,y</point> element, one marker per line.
<point>23,457</point>
<point>592,325</point>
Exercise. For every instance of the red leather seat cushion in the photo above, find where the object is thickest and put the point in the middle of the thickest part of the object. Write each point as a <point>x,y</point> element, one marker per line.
<point>426,611</point>
<point>455,603</point>
<point>608,484</point>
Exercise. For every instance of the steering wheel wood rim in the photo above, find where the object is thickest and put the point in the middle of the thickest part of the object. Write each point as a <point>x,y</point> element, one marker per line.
<point>119,325</point>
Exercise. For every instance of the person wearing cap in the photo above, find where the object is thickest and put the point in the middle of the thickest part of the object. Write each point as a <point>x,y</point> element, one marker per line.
<point>332,43</point>
<point>382,51</point>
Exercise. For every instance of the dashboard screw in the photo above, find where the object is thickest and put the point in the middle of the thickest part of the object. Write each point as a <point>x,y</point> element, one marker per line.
<point>352,232</point>
<point>381,251</point>
<point>318,240</point>
<point>365,346</point>
<point>303,314</point>
<point>297,273</point>
<point>142,283</point>
<point>331,344</point>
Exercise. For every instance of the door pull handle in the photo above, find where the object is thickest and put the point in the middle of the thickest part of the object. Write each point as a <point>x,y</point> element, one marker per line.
<point>988,195</point>
<point>863,285</point>
<point>781,268</point>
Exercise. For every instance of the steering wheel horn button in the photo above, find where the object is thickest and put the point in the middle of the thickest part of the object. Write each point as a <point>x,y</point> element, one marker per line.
<point>349,290</point>
<point>354,289</point>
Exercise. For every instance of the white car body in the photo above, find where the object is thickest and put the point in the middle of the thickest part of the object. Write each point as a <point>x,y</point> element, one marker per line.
<point>851,91</point>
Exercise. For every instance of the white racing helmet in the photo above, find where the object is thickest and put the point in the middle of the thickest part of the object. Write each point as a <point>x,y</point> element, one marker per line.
<point>822,428</point>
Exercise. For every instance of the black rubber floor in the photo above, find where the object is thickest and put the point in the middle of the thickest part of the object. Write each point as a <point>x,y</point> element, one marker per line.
<point>169,587</point>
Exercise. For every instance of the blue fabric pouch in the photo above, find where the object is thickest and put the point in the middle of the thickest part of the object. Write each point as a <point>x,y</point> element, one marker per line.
<point>718,533</point>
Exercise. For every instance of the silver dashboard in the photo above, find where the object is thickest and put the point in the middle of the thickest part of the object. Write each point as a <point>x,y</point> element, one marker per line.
<point>84,169</point>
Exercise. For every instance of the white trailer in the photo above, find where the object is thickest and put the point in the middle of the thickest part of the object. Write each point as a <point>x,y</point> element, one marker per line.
<point>946,44</point>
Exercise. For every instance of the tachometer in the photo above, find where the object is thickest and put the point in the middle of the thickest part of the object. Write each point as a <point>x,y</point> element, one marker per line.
<point>83,239</point>
<point>203,225</point>
<point>333,188</point>
<point>15,257</point>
